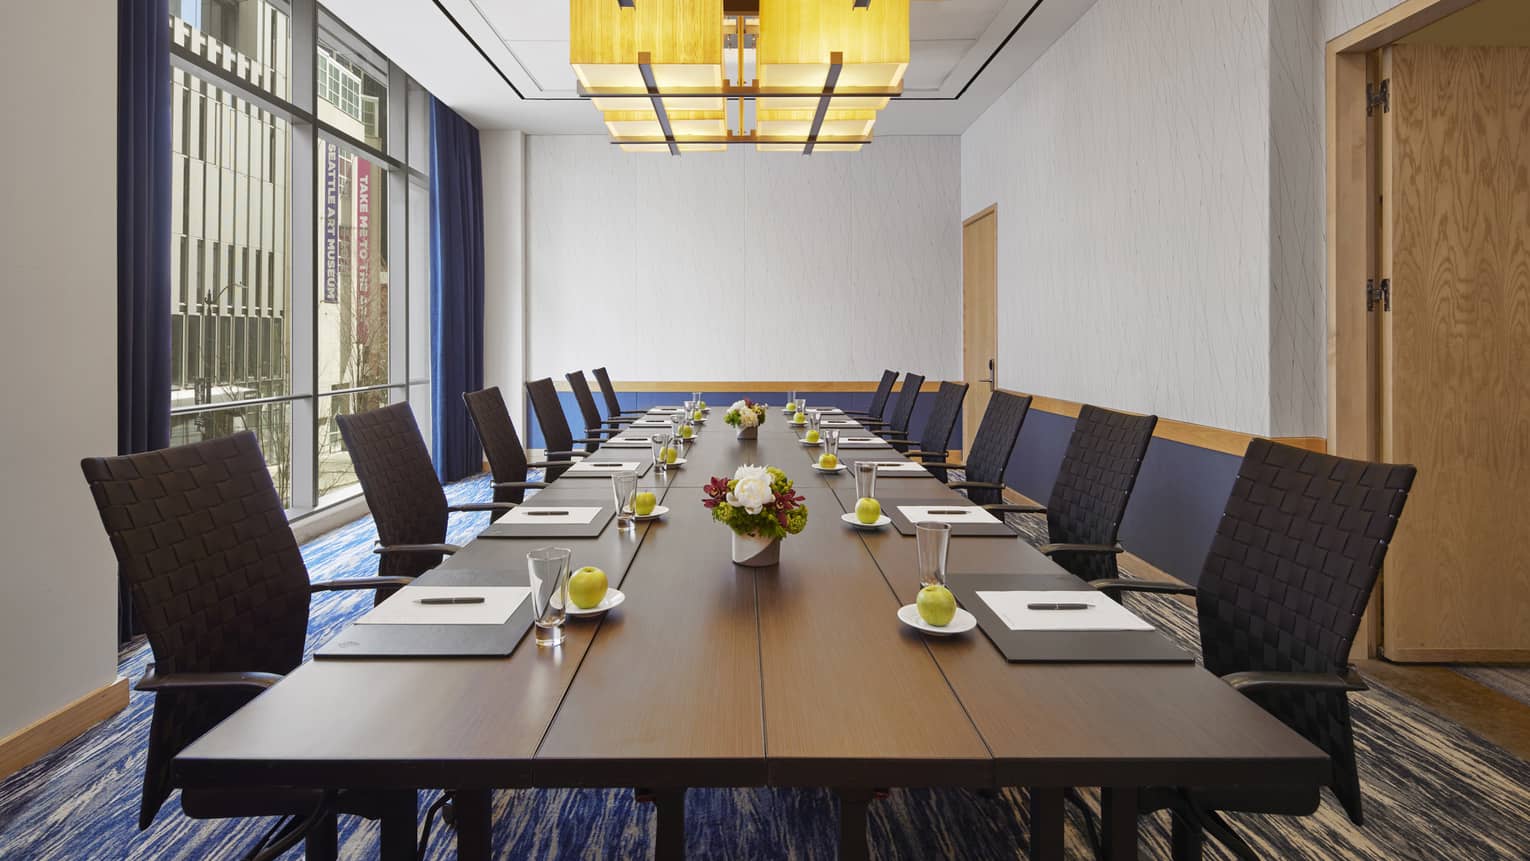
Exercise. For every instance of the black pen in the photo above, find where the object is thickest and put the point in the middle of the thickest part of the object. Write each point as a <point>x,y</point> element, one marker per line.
<point>470,599</point>
<point>540,513</point>
<point>951,511</point>
<point>1058,606</point>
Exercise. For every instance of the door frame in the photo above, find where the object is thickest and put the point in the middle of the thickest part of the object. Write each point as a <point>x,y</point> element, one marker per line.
<point>1354,423</point>
<point>969,428</point>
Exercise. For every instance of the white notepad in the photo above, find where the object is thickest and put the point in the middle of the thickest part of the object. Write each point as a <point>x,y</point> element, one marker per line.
<point>550,515</point>
<point>404,608</point>
<point>1103,613</point>
<point>862,442</point>
<point>891,468</point>
<point>652,423</point>
<point>626,442</point>
<point>666,409</point>
<point>946,514</point>
<point>826,411</point>
<point>840,423</point>
<point>586,469</point>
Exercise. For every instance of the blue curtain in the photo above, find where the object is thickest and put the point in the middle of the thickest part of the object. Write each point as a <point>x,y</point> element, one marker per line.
<point>143,235</point>
<point>456,289</point>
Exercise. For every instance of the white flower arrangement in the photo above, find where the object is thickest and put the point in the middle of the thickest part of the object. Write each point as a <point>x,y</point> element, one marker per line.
<point>746,414</point>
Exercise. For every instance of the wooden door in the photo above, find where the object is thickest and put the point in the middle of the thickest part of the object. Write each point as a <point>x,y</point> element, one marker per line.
<point>1455,350</point>
<point>980,272</point>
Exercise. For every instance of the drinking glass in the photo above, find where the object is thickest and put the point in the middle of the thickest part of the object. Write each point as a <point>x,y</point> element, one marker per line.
<point>686,438</point>
<point>813,419</point>
<point>791,402</point>
<point>690,406</point>
<point>933,540</point>
<point>548,568</point>
<point>696,396</point>
<point>866,480</point>
<point>831,441</point>
<point>660,442</point>
<point>624,487</point>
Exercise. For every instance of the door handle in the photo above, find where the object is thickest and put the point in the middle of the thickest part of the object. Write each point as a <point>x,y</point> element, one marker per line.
<point>990,378</point>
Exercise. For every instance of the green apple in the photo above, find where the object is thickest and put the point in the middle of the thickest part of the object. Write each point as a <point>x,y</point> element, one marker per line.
<point>702,405</point>
<point>812,436</point>
<point>671,454</point>
<point>696,416</point>
<point>686,431</point>
<point>587,587</point>
<point>643,503</point>
<point>868,510</point>
<point>937,606</point>
<point>828,461</point>
<point>799,418</point>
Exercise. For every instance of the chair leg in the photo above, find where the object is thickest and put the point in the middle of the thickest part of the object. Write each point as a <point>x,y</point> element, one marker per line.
<point>1185,838</point>
<point>323,842</point>
<point>1217,827</point>
<point>398,821</point>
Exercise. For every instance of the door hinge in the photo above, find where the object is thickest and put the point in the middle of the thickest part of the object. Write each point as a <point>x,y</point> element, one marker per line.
<point>1378,294</point>
<point>1378,97</point>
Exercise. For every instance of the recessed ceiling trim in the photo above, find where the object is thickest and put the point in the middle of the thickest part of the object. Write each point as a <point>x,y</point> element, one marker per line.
<point>500,71</point>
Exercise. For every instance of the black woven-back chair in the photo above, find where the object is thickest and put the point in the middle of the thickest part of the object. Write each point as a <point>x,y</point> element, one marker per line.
<point>502,446</point>
<point>878,407</point>
<point>594,424</point>
<point>935,441</point>
<point>220,588</point>
<point>1290,571</point>
<point>903,408</point>
<point>1093,486</point>
<point>992,447</point>
<point>402,491</point>
<point>555,433</point>
<point>608,393</point>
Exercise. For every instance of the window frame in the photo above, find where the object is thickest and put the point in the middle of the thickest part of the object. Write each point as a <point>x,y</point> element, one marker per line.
<point>307,20</point>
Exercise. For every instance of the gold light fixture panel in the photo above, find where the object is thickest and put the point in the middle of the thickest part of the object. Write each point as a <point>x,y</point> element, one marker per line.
<point>659,70</point>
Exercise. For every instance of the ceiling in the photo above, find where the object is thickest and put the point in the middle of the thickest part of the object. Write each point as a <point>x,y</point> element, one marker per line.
<point>504,63</point>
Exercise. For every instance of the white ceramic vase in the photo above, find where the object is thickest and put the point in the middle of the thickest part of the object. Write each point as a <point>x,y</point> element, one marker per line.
<point>749,433</point>
<point>752,551</point>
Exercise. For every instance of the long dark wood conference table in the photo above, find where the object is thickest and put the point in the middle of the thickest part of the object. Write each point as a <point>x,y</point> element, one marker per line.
<point>717,675</point>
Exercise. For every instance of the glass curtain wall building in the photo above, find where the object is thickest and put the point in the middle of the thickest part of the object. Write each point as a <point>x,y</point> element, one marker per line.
<point>300,235</point>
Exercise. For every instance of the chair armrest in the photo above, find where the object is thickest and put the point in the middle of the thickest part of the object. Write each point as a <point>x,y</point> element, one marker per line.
<point>591,441</point>
<point>480,506</point>
<point>358,583</point>
<point>899,433</point>
<point>971,485</point>
<point>881,423</point>
<point>520,485</point>
<point>1112,587</point>
<point>551,464</point>
<point>575,453</point>
<point>154,682</point>
<point>943,464</point>
<point>1001,507</point>
<point>1049,549</point>
<point>1250,681</point>
<point>603,432</point>
<point>900,444</point>
<point>620,422</point>
<point>448,549</point>
<point>922,454</point>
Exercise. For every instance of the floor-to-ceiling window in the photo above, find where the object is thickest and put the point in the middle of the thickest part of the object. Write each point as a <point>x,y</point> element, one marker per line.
<point>300,235</point>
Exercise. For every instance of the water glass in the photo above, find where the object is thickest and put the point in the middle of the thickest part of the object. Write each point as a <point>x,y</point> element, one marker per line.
<point>866,480</point>
<point>933,540</point>
<point>696,396</point>
<point>661,441</point>
<point>624,487</point>
<point>831,441</point>
<point>813,420</point>
<point>690,406</point>
<point>791,401</point>
<point>548,569</point>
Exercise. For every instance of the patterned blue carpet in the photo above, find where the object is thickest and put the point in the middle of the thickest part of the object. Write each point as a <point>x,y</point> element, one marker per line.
<point>1433,790</point>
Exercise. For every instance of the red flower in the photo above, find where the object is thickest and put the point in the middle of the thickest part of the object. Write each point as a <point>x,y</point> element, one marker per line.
<point>716,491</point>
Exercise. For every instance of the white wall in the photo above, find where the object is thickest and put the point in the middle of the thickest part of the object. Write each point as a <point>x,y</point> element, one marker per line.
<point>58,594</point>
<point>743,265</point>
<point>504,198</point>
<point>1130,165</point>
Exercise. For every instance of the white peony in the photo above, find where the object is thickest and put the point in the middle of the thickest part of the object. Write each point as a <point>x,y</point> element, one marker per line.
<point>739,406</point>
<point>751,490</point>
<point>748,418</point>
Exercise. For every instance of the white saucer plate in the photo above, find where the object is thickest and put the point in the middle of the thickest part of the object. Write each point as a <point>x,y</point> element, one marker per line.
<point>810,444</point>
<point>675,464</point>
<point>961,623</point>
<point>850,518</point>
<point>840,468</point>
<point>613,599</point>
<point>658,512</point>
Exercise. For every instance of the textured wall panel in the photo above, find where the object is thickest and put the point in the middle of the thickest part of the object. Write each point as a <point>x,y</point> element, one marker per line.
<point>778,266</point>
<point>1131,169</point>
